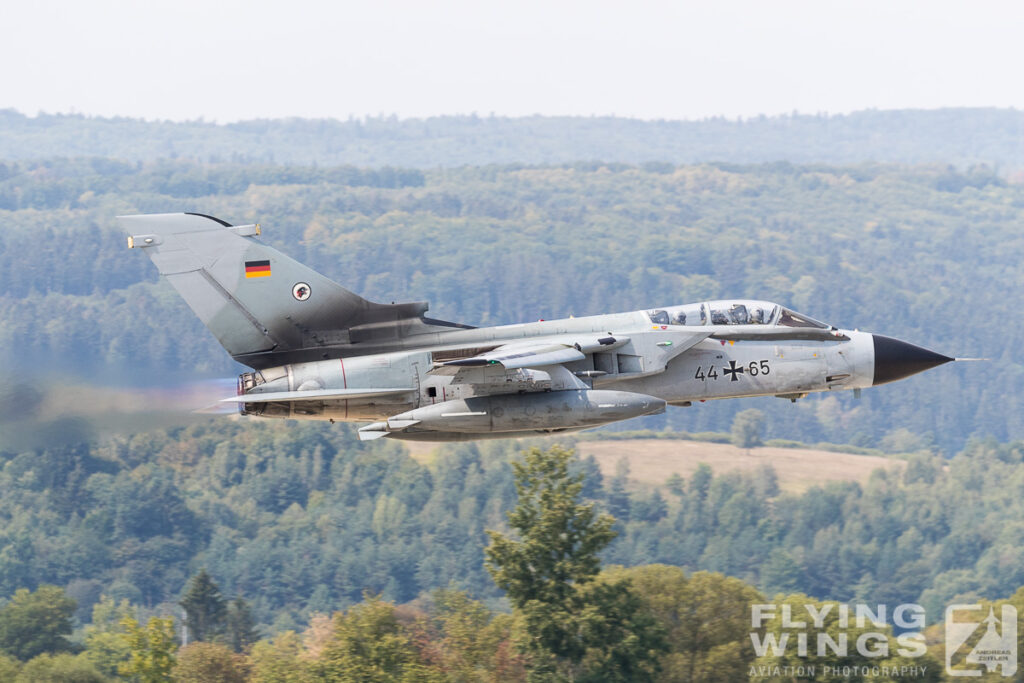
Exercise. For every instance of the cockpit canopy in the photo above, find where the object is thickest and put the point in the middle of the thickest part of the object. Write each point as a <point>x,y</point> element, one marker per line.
<point>735,312</point>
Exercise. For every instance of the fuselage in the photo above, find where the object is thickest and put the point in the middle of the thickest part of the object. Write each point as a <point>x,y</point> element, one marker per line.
<point>696,352</point>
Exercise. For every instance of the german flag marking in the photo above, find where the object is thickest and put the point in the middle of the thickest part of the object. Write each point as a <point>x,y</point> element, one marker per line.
<point>257,269</point>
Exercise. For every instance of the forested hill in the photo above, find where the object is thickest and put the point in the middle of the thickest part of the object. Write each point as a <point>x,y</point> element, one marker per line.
<point>962,137</point>
<point>925,254</point>
<point>304,517</point>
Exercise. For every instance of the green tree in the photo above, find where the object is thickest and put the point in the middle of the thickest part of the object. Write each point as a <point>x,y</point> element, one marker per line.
<point>617,498</point>
<point>280,660</point>
<point>548,575</point>
<point>9,667</point>
<point>700,482</point>
<point>676,485</point>
<point>624,643</point>
<point>59,668</point>
<point>36,622</point>
<point>706,617</point>
<point>151,650</point>
<point>105,642</point>
<point>369,646</point>
<point>902,440</point>
<point>241,626</point>
<point>209,663</point>
<point>747,429</point>
<point>205,608</point>
<point>473,643</point>
<point>781,572</point>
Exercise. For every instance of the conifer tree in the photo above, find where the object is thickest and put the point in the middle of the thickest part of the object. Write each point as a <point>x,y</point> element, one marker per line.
<point>205,608</point>
<point>241,626</point>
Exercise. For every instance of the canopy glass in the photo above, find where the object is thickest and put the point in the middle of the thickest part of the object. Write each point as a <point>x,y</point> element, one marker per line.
<point>736,312</point>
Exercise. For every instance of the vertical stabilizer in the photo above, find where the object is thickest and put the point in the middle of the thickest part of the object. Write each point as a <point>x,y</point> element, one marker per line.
<point>259,303</point>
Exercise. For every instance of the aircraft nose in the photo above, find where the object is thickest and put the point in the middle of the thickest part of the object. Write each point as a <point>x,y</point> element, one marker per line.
<point>895,359</point>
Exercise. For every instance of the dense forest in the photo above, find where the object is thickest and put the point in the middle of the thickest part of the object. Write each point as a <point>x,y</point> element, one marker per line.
<point>301,518</point>
<point>926,254</point>
<point>294,522</point>
<point>951,136</point>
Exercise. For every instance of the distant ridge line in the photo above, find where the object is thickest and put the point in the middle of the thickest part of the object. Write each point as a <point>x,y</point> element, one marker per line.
<point>958,136</point>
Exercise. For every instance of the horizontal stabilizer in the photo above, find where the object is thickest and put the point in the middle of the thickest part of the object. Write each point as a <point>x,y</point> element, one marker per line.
<point>319,394</point>
<point>371,435</point>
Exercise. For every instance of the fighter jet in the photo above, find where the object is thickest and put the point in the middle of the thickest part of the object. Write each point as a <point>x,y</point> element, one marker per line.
<point>321,352</point>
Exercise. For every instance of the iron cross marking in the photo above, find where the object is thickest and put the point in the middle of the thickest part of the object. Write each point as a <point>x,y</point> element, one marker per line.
<point>732,371</point>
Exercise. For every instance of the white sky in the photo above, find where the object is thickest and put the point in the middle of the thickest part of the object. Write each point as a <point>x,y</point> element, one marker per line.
<point>227,60</point>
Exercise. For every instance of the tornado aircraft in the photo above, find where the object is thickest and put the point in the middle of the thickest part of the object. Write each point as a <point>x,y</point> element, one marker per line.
<point>321,352</point>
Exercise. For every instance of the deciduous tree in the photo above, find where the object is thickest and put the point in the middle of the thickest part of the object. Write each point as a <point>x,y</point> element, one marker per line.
<point>36,622</point>
<point>59,668</point>
<point>151,650</point>
<point>209,663</point>
<point>369,646</point>
<point>706,617</point>
<point>548,574</point>
<point>9,667</point>
<point>280,660</point>
<point>747,428</point>
<point>105,643</point>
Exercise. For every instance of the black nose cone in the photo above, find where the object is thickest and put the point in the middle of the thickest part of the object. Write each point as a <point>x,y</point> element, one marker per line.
<point>895,359</point>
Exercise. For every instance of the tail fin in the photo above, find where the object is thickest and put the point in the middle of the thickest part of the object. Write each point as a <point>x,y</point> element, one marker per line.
<point>262,306</point>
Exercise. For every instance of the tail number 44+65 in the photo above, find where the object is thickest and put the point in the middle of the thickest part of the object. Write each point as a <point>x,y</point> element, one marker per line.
<point>733,371</point>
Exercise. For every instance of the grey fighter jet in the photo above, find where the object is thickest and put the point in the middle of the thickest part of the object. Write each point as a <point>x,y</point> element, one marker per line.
<point>321,352</point>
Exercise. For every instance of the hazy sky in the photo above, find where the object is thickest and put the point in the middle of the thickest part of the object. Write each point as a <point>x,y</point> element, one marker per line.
<point>231,60</point>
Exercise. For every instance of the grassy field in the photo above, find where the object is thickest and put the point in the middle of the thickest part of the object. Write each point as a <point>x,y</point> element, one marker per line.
<point>652,461</point>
